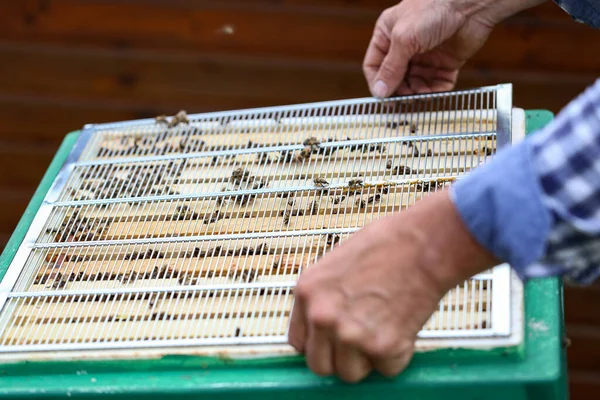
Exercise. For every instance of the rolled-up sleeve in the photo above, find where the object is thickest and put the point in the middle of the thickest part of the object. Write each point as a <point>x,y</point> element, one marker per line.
<point>536,205</point>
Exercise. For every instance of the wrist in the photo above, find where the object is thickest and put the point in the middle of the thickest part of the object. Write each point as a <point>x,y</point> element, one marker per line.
<point>451,253</point>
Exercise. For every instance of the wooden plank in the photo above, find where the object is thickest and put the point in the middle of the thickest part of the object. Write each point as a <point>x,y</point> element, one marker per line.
<point>584,350</point>
<point>193,138</point>
<point>4,240</point>
<point>178,325</point>
<point>526,41</point>
<point>350,215</point>
<point>277,245</point>
<point>584,385</point>
<point>30,119</point>
<point>13,202</point>
<point>123,78</point>
<point>181,269</point>
<point>580,305</point>
<point>22,166</point>
<point>344,166</point>
<point>200,28</point>
<point>143,330</point>
<point>333,201</point>
<point>226,305</point>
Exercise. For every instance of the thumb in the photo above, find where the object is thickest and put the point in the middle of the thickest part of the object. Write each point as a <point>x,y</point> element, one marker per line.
<point>393,68</point>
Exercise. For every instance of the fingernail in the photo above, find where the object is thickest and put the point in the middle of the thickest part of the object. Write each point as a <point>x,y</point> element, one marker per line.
<point>380,89</point>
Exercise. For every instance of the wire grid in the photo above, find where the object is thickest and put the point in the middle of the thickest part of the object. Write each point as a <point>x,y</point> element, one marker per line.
<point>431,114</point>
<point>196,233</point>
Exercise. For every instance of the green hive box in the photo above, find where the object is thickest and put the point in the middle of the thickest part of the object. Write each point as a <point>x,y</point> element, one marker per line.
<point>536,371</point>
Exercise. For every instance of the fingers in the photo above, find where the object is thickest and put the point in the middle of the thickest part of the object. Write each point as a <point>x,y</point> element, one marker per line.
<point>319,351</point>
<point>376,52</point>
<point>297,331</point>
<point>393,68</point>
<point>392,366</point>
<point>351,365</point>
<point>319,345</point>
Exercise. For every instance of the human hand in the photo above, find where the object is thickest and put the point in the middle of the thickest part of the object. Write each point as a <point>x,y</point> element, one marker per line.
<point>362,305</point>
<point>418,46</point>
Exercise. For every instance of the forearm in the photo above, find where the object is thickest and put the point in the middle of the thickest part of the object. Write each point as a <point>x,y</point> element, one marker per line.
<point>453,253</point>
<point>493,11</point>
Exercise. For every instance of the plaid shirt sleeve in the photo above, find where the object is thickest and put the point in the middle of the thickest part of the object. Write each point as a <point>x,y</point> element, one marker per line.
<point>536,205</point>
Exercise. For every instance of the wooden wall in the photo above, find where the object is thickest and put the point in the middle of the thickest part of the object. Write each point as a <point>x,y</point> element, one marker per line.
<point>64,63</point>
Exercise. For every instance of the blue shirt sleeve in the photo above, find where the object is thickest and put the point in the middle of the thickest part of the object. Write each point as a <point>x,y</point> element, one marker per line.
<point>584,11</point>
<point>536,205</point>
<point>500,202</point>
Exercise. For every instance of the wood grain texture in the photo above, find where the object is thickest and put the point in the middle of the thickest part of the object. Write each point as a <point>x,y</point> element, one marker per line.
<point>529,41</point>
<point>61,69</point>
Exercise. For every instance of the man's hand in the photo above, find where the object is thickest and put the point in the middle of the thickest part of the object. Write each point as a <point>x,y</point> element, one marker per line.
<point>418,46</point>
<point>360,308</point>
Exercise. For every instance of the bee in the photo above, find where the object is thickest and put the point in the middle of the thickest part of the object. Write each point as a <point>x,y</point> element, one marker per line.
<point>262,248</point>
<point>183,212</point>
<point>133,256</point>
<point>320,182</point>
<point>314,207</point>
<point>286,156</point>
<point>388,164</point>
<point>276,265</point>
<point>243,275</point>
<point>429,186</point>
<point>485,151</point>
<point>383,189</point>
<point>238,332</point>
<point>360,203</point>
<point>395,125</point>
<point>401,170</point>
<point>219,201</point>
<point>429,153</point>
<point>376,198</point>
<point>286,218</point>
<point>185,280</point>
<point>411,145</point>
<point>59,282</point>
<point>338,199</point>
<point>332,238</point>
<point>195,144</point>
<point>355,184</point>
<point>243,199</point>
<point>179,118</point>
<point>263,158</point>
<point>161,119</point>
<point>152,254</point>
<point>291,202</point>
<point>413,128</point>
<point>304,154</point>
<point>311,141</point>
<point>239,175</point>
<point>260,183</point>
<point>378,147</point>
<point>213,217</point>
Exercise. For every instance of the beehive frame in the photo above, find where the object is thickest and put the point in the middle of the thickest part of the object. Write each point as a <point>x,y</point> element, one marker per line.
<point>389,123</point>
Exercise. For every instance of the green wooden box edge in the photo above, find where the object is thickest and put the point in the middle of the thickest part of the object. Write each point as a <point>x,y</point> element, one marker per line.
<point>538,368</point>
